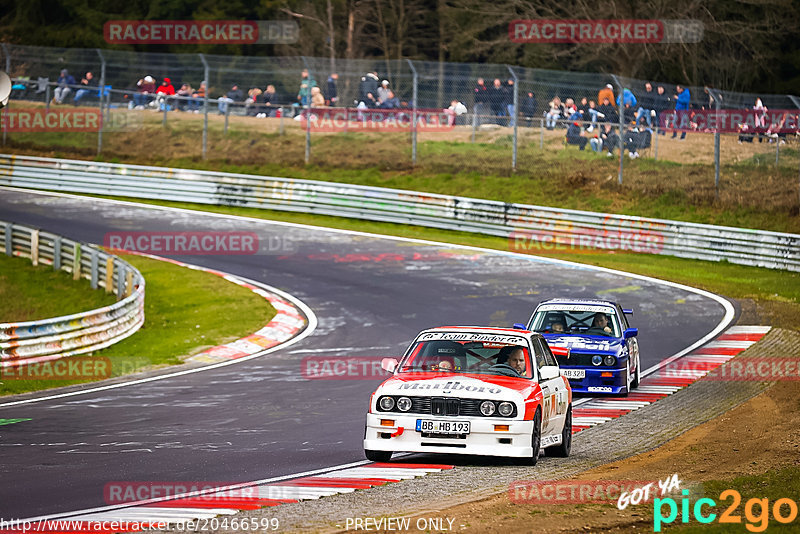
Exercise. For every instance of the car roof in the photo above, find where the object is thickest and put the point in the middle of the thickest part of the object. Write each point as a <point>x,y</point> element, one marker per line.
<point>588,302</point>
<point>484,330</point>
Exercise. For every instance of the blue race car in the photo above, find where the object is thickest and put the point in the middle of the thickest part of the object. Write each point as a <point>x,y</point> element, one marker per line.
<point>603,350</point>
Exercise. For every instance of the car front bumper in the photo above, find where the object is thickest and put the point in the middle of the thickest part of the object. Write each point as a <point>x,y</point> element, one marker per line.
<point>595,383</point>
<point>483,439</point>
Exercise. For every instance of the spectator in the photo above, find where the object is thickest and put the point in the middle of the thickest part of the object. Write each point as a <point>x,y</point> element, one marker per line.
<point>606,92</point>
<point>637,138</point>
<point>575,131</point>
<point>383,92</point>
<point>646,105</point>
<point>608,111</point>
<point>306,83</point>
<point>497,100</point>
<point>269,99</point>
<point>391,102</point>
<point>232,96</point>
<point>456,108</point>
<point>481,100</point>
<point>198,97</point>
<point>333,94</point>
<point>251,105</point>
<point>163,93</point>
<point>760,119</point>
<point>509,100</point>
<point>317,99</point>
<point>528,107</point>
<point>87,82</point>
<point>661,103</point>
<point>594,114</point>
<point>147,87</point>
<point>368,89</point>
<point>627,98</point>
<point>63,90</point>
<point>682,100</point>
<point>555,112</point>
<point>184,93</point>
<point>609,139</point>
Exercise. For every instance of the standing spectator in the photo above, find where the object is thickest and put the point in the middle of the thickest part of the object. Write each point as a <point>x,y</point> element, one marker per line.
<point>368,89</point>
<point>528,107</point>
<point>333,93</point>
<point>661,103</point>
<point>383,92</point>
<point>682,100</point>
<point>232,96</point>
<point>306,83</point>
<point>646,104</point>
<point>509,94</point>
<point>63,90</point>
<point>198,97</point>
<point>87,82</point>
<point>497,100</point>
<point>627,98</point>
<point>554,113</point>
<point>185,92</point>
<point>163,92</point>
<point>481,100</point>
<point>606,92</point>
<point>147,87</point>
<point>575,132</point>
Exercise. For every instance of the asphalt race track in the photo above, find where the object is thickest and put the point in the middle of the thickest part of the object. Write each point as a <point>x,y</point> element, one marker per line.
<point>261,418</point>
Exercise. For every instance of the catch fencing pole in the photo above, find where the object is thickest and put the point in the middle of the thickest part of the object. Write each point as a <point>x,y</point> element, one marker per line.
<point>207,75</point>
<point>514,118</point>
<point>621,90</point>
<point>413,115</point>
<point>100,99</point>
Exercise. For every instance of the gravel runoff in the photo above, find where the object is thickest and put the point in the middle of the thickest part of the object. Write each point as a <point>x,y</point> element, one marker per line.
<point>634,433</point>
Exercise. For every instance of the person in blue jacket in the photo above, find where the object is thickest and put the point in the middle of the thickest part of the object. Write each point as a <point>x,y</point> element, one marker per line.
<point>627,97</point>
<point>682,100</point>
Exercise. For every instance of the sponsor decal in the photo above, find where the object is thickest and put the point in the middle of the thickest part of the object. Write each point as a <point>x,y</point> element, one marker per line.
<point>450,386</point>
<point>471,336</point>
<point>201,31</point>
<point>576,308</point>
<point>599,389</point>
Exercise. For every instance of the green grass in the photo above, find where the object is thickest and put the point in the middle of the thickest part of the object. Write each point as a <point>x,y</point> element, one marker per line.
<point>27,292</point>
<point>185,311</point>
<point>772,485</point>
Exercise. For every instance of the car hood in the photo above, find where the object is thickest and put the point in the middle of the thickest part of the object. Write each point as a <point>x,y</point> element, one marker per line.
<point>579,343</point>
<point>458,385</point>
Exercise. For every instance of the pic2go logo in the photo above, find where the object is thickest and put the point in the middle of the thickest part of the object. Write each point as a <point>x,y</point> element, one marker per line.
<point>756,511</point>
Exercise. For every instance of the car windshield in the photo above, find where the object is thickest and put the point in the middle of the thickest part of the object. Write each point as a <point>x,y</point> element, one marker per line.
<point>576,319</point>
<point>468,353</point>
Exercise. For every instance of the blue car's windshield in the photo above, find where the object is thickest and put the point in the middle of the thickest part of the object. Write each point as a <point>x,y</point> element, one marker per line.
<point>576,319</point>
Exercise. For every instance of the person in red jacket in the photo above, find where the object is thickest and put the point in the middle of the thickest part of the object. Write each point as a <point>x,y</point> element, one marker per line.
<point>165,90</point>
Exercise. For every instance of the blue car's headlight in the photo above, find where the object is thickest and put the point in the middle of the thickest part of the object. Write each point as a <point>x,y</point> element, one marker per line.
<point>597,359</point>
<point>609,360</point>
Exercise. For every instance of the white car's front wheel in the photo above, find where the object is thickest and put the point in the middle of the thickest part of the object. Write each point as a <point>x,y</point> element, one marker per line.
<point>378,456</point>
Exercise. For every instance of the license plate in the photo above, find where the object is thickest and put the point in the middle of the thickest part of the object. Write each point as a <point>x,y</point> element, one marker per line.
<point>574,373</point>
<point>442,427</point>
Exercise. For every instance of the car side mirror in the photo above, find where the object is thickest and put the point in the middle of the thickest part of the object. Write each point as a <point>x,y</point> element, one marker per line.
<point>630,332</point>
<point>389,364</point>
<point>520,326</point>
<point>548,372</point>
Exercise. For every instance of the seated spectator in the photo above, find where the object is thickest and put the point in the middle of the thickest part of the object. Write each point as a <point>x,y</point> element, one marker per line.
<point>606,92</point>
<point>608,140</point>
<point>575,131</point>
<point>391,101</point>
<point>232,96</point>
<point>185,92</point>
<point>317,98</point>
<point>608,111</point>
<point>594,114</point>
<point>637,138</point>
<point>63,90</point>
<point>251,107</point>
<point>163,93</point>
<point>268,103</point>
<point>383,92</point>
<point>87,83</point>
<point>456,108</point>
<point>198,98</point>
<point>147,88</point>
<point>555,112</point>
<point>368,89</point>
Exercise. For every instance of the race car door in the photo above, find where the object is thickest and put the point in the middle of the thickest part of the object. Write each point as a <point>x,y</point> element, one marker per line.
<point>554,392</point>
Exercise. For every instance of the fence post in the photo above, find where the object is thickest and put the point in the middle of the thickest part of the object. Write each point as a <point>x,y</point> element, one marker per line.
<point>796,102</point>
<point>621,126</point>
<point>76,261</point>
<point>8,57</point>
<point>121,280</point>
<point>9,233</point>
<point>514,118</point>
<point>541,134</point>
<point>93,273</point>
<point>227,114</point>
<point>164,118</point>
<point>205,104</point>
<point>777,150</point>
<point>655,143</point>
<point>109,285</point>
<point>717,105</point>
<point>100,97</point>
<point>280,128</point>
<point>413,114</point>
<point>57,253</point>
<point>35,248</point>
<point>308,116</point>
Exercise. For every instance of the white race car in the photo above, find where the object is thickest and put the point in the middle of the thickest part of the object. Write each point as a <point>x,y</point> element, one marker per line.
<point>472,390</point>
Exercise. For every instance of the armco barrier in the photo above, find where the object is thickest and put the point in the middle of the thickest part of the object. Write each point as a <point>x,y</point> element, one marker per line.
<point>521,222</point>
<point>51,339</point>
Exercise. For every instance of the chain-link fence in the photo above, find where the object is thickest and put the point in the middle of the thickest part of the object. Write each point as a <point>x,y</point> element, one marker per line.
<point>393,114</point>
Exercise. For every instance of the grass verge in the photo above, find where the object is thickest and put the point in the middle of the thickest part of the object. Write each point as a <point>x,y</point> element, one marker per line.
<point>185,311</point>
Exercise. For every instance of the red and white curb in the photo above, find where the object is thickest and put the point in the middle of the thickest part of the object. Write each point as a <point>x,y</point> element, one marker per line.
<point>287,322</point>
<point>196,506</point>
<point>690,368</point>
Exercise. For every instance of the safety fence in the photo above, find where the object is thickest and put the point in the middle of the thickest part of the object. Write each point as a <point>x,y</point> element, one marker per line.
<point>527,227</point>
<point>50,339</point>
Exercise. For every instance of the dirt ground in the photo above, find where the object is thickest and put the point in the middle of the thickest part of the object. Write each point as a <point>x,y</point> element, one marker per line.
<point>758,436</point>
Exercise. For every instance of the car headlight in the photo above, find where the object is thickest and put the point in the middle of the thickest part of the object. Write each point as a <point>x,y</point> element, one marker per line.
<point>386,403</point>
<point>403,404</point>
<point>597,359</point>
<point>487,408</point>
<point>609,360</point>
<point>505,409</point>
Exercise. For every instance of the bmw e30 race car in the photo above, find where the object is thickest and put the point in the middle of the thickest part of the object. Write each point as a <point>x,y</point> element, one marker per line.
<point>603,352</point>
<point>472,390</point>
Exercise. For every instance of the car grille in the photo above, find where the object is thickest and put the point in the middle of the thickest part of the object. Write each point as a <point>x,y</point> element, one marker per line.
<point>577,359</point>
<point>447,406</point>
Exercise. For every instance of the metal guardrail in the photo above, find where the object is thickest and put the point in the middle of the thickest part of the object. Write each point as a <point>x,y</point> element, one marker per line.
<point>50,339</point>
<point>528,227</point>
